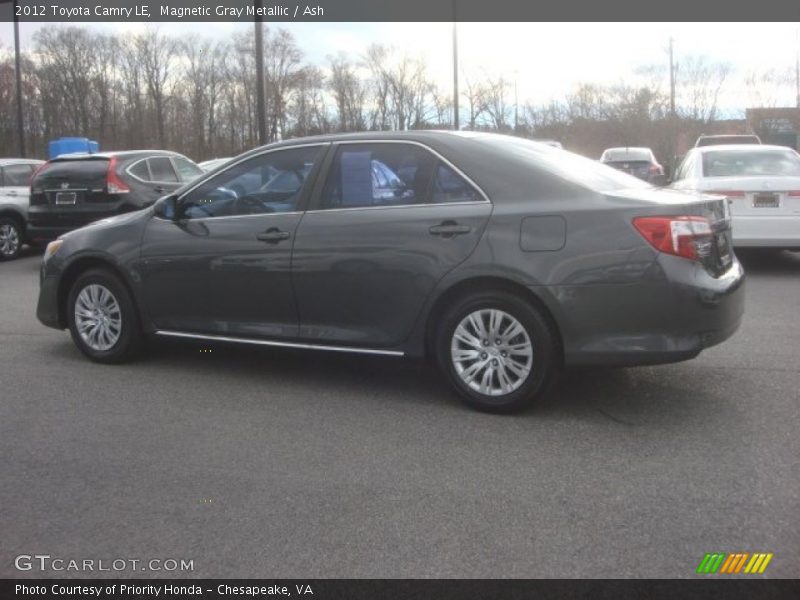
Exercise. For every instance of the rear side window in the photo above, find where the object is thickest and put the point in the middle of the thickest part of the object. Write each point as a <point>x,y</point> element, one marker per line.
<point>140,170</point>
<point>449,186</point>
<point>378,175</point>
<point>89,173</point>
<point>17,175</point>
<point>187,170</point>
<point>728,163</point>
<point>161,170</point>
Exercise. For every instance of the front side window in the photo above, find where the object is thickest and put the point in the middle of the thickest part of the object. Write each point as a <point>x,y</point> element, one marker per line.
<point>161,170</point>
<point>269,183</point>
<point>378,175</point>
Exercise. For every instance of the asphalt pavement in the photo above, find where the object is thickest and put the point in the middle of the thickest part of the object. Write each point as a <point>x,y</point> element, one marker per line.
<point>272,463</point>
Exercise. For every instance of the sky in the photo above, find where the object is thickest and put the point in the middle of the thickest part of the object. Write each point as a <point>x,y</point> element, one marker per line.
<point>546,60</point>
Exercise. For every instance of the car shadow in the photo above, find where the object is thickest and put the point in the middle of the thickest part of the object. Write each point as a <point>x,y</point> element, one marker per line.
<point>768,261</point>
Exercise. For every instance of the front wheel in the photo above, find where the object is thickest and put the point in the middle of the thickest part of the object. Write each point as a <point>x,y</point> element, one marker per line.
<point>498,351</point>
<point>102,317</point>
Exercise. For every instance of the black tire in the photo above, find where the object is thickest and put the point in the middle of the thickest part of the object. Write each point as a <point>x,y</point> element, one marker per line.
<point>130,337</point>
<point>545,363</point>
<point>11,238</point>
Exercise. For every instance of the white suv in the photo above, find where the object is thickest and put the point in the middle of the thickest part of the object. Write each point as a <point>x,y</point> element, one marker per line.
<point>15,177</point>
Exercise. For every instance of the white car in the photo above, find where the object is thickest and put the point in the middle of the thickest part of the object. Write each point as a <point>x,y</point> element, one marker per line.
<point>15,177</point>
<point>762,184</point>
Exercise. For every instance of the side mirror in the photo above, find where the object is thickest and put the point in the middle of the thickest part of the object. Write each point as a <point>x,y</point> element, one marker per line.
<point>166,208</point>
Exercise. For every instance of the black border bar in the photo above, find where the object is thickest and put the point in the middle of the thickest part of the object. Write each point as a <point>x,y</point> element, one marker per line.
<point>419,589</point>
<point>75,11</point>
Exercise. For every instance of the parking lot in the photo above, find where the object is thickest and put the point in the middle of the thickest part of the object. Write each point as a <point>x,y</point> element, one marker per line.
<point>255,462</point>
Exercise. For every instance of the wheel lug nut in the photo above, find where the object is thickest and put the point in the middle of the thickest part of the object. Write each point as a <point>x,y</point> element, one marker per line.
<point>485,342</point>
<point>497,342</point>
<point>494,362</point>
<point>484,355</point>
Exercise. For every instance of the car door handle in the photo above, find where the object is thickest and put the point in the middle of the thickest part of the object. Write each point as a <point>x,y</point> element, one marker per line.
<point>449,229</point>
<point>13,193</point>
<point>159,190</point>
<point>273,236</point>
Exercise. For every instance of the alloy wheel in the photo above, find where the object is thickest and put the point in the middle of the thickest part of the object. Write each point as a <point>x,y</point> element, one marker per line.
<point>491,352</point>
<point>9,239</point>
<point>98,318</point>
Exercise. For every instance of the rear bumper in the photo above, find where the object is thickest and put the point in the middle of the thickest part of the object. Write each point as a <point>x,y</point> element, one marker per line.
<point>766,231</point>
<point>46,222</point>
<point>670,318</point>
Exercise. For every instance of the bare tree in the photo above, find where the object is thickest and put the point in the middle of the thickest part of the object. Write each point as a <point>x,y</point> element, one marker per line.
<point>156,54</point>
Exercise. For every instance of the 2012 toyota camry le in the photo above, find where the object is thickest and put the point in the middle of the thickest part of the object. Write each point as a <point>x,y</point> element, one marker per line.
<point>503,260</point>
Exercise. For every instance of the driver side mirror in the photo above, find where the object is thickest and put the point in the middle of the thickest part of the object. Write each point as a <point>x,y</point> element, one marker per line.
<point>166,208</point>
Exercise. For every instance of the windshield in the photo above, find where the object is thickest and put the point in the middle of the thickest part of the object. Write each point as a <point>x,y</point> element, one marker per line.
<point>748,163</point>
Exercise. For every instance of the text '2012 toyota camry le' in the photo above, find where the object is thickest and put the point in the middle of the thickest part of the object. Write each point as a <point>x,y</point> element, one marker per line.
<point>501,259</point>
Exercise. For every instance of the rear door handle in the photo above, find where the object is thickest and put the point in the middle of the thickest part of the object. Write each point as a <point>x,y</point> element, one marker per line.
<point>159,190</point>
<point>449,229</point>
<point>273,236</point>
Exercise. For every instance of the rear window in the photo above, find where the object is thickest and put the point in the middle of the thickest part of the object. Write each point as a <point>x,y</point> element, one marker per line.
<point>89,173</point>
<point>727,163</point>
<point>16,175</point>
<point>728,139</point>
<point>571,167</point>
<point>626,155</point>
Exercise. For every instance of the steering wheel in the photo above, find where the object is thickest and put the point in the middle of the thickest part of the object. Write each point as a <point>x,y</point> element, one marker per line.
<point>250,205</point>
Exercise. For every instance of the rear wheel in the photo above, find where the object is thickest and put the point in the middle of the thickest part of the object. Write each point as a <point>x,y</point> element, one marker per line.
<point>102,317</point>
<point>10,238</point>
<point>498,351</point>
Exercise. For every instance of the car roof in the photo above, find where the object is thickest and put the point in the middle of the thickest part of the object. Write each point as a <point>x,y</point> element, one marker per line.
<point>741,147</point>
<point>19,161</point>
<point>111,154</point>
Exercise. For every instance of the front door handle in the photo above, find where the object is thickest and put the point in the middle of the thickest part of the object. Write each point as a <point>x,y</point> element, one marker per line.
<point>273,236</point>
<point>449,229</point>
<point>159,190</point>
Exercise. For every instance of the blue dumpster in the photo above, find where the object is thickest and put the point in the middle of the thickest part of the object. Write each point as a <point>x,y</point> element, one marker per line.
<point>68,145</point>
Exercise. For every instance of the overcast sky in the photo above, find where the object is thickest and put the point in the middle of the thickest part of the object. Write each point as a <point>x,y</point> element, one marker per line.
<point>546,59</point>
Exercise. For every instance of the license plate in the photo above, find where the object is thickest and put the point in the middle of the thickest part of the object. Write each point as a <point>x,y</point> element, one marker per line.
<point>66,197</point>
<point>766,201</point>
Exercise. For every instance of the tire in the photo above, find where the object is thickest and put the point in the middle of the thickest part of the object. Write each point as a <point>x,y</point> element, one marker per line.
<point>11,237</point>
<point>524,377</point>
<point>112,335</point>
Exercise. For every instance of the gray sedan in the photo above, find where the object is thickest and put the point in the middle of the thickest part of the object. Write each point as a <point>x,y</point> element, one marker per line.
<point>500,259</point>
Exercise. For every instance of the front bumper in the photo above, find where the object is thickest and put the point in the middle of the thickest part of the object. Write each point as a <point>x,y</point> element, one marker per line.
<point>47,307</point>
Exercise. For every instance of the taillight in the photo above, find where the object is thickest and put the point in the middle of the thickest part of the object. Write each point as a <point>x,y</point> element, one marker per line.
<point>114,184</point>
<point>794,194</point>
<point>686,236</point>
<point>656,170</point>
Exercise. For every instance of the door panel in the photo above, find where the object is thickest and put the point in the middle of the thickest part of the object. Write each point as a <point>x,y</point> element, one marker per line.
<point>362,276</point>
<point>216,275</point>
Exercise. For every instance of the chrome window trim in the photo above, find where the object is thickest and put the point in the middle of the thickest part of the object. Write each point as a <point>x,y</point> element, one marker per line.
<point>238,340</point>
<point>279,214</point>
<point>461,173</point>
<point>147,182</point>
<point>379,207</point>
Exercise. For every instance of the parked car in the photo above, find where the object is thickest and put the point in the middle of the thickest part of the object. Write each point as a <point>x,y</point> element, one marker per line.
<point>210,165</point>
<point>15,176</point>
<point>639,162</point>
<point>718,140</point>
<point>762,184</point>
<point>75,189</point>
<point>499,258</point>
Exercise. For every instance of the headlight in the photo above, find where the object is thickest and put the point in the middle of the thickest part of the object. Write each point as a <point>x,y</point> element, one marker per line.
<point>52,248</point>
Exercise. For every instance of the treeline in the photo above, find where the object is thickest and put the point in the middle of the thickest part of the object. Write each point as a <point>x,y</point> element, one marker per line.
<point>198,96</point>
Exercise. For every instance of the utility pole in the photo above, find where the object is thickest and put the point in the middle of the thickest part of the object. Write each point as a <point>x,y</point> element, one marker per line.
<point>456,125</point>
<point>18,73</point>
<point>671,82</point>
<point>261,112</point>
<point>797,65</point>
